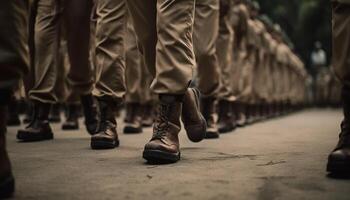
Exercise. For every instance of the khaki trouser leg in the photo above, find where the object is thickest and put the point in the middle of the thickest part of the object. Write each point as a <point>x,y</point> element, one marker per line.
<point>133,67</point>
<point>14,56</point>
<point>47,34</point>
<point>147,96</point>
<point>341,41</point>
<point>164,29</point>
<point>225,57</point>
<point>206,29</point>
<point>110,55</point>
<point>60,85</point>
<point>77,21</point>
<point>47,37</point>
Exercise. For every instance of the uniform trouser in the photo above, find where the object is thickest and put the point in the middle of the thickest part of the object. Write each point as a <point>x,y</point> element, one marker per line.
<point>47,38</point>
<point>164,30</point>
<point>138,79</point>
<point>14,55</point>
<point>224,52</point>
<point>247,78</point>
<point>263,79</point>
<point>109,50</point>
<point>341,41</point>
<point>276,79</point>
<point>206,29</point>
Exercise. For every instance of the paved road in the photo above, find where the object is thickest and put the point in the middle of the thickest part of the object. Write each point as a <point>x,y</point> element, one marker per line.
<point>278,159</point>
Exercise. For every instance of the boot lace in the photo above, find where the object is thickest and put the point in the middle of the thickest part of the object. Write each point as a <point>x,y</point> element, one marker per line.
<point>162,123</point>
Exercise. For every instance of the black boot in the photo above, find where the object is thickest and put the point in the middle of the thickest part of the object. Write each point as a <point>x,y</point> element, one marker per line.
<point>210,114</point>
<point>13,114</point>
<point>55,113</point>
<point>106,136</point>
<point>39,129</point>
<point>133,119</point>
<point>7,183</point>
<point>226,122</point>
<point>339,159</point>
<point>71,122</point>
<point>91,113</point>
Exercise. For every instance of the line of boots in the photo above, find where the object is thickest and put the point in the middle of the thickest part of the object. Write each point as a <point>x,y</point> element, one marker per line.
<point>39,127</point>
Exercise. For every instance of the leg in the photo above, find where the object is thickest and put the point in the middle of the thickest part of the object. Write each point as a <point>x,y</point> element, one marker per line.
<point>134,62</point>
<point>205,35</point>
<point>172,68</point>
<point>110,68</point>
<point>47,29</point>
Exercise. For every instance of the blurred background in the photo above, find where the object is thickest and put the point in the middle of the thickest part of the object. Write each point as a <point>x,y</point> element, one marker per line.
<point>305,22</point>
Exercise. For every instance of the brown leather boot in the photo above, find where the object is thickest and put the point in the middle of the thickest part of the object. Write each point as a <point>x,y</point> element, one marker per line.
<point>193,120</point>
<point>339,159</point>
<point>39,129</point>
<point>71,122</point>
<point>91,113</point>
<point>106,136</point>
<point>164,146</point>
<point>7,183</point>
<point>226,122</point>
<point>133,119</point>
<point>209,112</point>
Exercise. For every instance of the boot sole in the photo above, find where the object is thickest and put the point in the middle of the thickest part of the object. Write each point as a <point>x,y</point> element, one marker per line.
<point>23,136</point>
<point>7,187</point>
<point>210,135</point>
<point>132,130</point>
<point>338,167</point>
<point>160,157</point>
<point>226,130</point>
<point>66,127</point>
<point>103,144</point>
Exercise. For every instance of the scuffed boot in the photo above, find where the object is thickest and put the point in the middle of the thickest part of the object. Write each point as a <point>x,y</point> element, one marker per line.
<point>13,114</point>
<point>193,120</point>
<point>226,122</point>
<point>39,129</point>
<point>106,136</point>
<point>133,119</point>
<point>147,115</point>
<point>7,182</point>
<point>164,145</point>
<point>91,113</point>
<point>71,122</point>
<point>55,113</point>
<point>339,159</point>
<point>210,115</point>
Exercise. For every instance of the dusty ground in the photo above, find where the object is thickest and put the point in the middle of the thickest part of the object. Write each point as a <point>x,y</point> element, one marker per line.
<point>283,158</point>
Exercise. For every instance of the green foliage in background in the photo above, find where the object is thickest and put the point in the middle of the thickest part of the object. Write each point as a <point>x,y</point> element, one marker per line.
<point>305,21</point>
